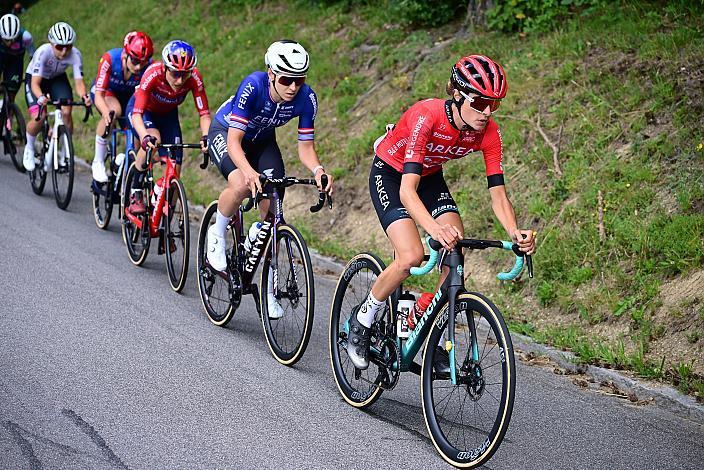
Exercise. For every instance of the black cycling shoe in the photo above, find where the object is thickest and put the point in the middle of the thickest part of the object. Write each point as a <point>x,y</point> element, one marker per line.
<point>441,361</point>
<point>358,342</point>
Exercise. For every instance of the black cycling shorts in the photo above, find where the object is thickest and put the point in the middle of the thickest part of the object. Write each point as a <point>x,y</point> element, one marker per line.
<point>11,71</point>
<point>58,88</point>
<point>385,186</point>
<point>264,155</point>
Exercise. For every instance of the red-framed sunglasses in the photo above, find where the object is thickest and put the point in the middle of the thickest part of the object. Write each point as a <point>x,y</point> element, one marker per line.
<point>287,81</point>
<point>480,103</point>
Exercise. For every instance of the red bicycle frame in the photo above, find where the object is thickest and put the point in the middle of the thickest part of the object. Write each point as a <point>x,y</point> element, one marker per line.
<point>160,208</point>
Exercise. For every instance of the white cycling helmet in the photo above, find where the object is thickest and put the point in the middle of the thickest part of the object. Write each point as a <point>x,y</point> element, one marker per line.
<point>9,27</point>
<point>62,34</point>
<point>287,58</point>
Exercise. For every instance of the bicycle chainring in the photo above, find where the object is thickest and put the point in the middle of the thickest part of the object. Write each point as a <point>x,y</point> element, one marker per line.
<point>235,287</point>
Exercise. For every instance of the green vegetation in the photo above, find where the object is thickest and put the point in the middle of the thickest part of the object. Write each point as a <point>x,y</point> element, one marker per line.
<point>617,86</point>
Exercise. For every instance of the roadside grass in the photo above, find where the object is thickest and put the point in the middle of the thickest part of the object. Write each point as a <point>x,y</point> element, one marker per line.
<point>623,83</point>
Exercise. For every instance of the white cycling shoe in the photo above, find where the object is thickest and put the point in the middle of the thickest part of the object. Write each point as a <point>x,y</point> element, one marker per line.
<point>99,173</point>
<point>28,158</point>
<point>275,309</point>
<point>216,250</point>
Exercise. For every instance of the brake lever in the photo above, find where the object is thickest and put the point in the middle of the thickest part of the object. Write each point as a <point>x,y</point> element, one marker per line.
<point>204,165</point>
<point>89,112</point>
<point>109,125</point>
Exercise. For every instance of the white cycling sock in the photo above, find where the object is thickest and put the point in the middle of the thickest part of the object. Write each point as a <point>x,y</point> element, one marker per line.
<point>368,310</point>
<point>221,223</point>
<point>101,148</point>
<point>30,139</point>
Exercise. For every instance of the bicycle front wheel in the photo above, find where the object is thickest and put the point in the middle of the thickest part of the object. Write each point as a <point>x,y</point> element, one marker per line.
<point>217,290</point>
<point>18,136</point>
<point>62,175</point>
<point>468,421</point>
<point>287,326</point>
<point>359,388</point>
<point>37,177</point>
<point>177,235</point>
<point>137,239</point>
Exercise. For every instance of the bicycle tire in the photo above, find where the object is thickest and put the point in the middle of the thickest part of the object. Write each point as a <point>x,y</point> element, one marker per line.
<point>289,348</point>
<point>177,236</point>
<point>213,289</point>
<point>136,241</point>
<point>103,198</point>
<point>352,290</point>
<point>18,136</point>
<point>494,376</point>
<point>65,170</point>
<point>37,177</point>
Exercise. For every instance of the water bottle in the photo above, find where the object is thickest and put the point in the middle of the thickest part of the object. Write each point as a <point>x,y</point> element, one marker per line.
<point>252,235</point>
<point>405,308</point>
<point>157,190</point>
<point>419,309</point>
<point>119,158</point>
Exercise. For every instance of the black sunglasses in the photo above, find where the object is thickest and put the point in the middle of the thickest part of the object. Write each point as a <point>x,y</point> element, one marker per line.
<point>60,47</point>
<point>287,81</point>
<point>180,73</point>
<point>135,60</point>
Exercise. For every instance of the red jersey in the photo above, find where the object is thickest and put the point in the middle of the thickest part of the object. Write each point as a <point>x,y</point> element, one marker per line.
<point>154,93</point>
<point>425,136</point>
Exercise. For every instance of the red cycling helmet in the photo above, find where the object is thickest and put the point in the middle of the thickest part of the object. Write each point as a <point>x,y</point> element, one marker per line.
<point>479,74</point>
<point>138,45</point>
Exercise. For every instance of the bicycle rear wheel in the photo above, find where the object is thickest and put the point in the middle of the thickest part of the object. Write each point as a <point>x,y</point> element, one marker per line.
<point>37,177</point>
<point>288,336</point>
<point>62,176</point>
<point>468,421</point>
<point>17,137</point>
<point>216,291</point>
<point>359,388</point>
<point>137,240</point>
<point>177,235</point>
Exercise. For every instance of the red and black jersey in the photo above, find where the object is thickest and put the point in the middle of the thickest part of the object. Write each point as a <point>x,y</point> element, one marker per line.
<point>425,138</point>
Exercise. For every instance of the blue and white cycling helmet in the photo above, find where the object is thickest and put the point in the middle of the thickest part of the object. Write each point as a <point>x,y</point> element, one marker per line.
<point>287,58</point>
<point>179,56</point>
<point>62,34</point>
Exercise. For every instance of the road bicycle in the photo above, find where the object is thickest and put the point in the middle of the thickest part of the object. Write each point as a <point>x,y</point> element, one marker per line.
<point>106,195</point>
<point>55,144</point>
<point>166,217</point>
<point>467,411</point>
<point>13,129</point>
<point>287,259</point>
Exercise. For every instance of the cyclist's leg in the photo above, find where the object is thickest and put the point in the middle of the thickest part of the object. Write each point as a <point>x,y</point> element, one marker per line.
<point>33,126</point>
<point>136,200</point>
<point>230,197</point>
<point>101,143</point>
<point>267,160</point>
<point>384,187</point>
<point>12,75</point>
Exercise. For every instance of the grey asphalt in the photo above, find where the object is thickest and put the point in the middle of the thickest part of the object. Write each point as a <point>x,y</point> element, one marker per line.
<point>102,366</point>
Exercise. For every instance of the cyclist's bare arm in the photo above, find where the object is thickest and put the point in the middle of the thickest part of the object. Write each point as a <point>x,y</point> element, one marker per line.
<point>309,157</point>
<point>35,85</point>
<point>503,209</point>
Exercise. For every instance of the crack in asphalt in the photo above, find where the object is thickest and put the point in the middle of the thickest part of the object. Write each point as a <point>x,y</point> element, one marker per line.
<point>94,436</point>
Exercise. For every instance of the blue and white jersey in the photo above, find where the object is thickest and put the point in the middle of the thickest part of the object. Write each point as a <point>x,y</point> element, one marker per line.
<point>253,111</point>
